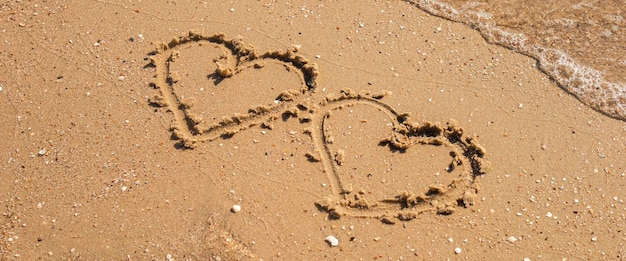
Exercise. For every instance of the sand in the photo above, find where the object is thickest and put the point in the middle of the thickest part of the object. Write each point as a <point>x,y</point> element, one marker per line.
<point>131,129</point>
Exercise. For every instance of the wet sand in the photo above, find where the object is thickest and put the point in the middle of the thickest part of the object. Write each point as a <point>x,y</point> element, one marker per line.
<point>131,130</point>
<point>579,45</point>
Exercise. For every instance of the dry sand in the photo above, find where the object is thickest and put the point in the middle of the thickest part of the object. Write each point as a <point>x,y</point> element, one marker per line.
<point>119,143</point>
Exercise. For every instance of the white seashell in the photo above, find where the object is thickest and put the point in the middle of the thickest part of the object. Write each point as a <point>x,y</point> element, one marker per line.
<point>333,241</point>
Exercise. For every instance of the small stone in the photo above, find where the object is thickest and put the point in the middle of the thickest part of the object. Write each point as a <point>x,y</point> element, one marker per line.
<point>42,152</point>
<point>235,209</point>
<point>594,239</point>
<point>549,214</point>
<point>511,239</point>
<point>332,241</point>
<point>124,188</point>
<point>457,250</point>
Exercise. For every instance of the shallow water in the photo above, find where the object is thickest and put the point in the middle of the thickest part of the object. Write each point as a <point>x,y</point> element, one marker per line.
<point>581,45</point>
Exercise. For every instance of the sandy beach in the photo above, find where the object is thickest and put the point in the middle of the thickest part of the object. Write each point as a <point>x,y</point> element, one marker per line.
<point>263,130</point>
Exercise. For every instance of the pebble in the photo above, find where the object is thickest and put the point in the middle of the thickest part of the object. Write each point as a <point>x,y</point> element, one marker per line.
<point>332,241</point>
<point>511,239</point>
<point>457,250</point>
<point>235,209</point>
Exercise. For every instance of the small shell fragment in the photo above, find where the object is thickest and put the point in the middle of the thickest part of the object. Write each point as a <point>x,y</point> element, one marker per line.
<point>457,250</point>
<point>332,241</point>
<point>511,239</point>
<point>235,208</point>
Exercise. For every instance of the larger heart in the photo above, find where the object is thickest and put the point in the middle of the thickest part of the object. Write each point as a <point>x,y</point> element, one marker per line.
<point>383,165</point>
<point>195,73</point>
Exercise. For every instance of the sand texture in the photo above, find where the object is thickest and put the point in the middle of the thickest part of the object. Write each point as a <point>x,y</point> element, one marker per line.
<point>262,130</point>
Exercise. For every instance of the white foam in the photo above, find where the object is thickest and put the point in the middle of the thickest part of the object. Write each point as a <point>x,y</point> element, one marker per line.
<point>584,82</point>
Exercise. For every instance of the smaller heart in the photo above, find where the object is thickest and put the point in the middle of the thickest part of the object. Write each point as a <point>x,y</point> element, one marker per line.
<point>217,87</point>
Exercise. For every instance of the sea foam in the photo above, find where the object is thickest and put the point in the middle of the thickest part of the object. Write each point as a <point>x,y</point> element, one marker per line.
<point>587,84</point>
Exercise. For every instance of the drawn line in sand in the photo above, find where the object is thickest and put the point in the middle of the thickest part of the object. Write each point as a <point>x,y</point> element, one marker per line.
<point>235,57</point>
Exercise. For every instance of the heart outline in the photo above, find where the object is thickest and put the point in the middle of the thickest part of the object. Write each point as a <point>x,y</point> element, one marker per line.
<point>468,154</point>
<point>246,56</point>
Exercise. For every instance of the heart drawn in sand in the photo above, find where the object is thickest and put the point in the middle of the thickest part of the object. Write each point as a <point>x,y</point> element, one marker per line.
<point>394,181</point>
<point>414,168</point>
<point>194,72</point>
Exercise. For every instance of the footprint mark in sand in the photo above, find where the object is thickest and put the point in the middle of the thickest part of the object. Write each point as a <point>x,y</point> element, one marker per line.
<point>184,57</point>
